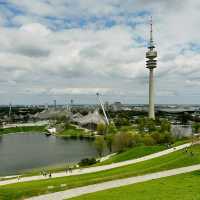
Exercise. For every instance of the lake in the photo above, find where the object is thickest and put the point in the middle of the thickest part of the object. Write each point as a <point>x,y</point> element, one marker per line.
<point>26,151</point>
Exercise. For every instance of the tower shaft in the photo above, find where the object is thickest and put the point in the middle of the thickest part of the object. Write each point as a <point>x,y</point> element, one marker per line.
<point>151,94</point>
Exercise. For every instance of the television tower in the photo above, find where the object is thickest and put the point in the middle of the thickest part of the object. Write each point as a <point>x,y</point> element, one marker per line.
<point>151,56</point>
<point>10,110</point>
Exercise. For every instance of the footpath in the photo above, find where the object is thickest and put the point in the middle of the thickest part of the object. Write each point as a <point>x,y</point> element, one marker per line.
<point>113,184</point>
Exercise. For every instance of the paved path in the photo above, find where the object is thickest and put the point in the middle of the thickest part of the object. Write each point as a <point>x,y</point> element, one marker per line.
<point>113,184</point>
<point>98,168</point>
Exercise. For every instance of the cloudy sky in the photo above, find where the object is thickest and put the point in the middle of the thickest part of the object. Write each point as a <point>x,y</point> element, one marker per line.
<point>71,49</point>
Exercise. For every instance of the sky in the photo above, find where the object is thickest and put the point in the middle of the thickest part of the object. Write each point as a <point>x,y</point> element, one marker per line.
<point>72,49</point>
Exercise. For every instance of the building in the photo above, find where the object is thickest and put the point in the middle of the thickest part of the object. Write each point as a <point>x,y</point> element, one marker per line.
<point>117,106</point>
<point>151,64</point>
<point>52,113</point>
<point>91,120</point>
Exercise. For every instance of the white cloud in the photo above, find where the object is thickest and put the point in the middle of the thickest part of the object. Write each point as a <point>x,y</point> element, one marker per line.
<point>38,51</point>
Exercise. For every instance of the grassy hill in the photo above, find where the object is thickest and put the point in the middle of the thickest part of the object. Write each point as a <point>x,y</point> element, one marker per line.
<point>170,161</point>
<point>133,153</point>
<point>180,187</point>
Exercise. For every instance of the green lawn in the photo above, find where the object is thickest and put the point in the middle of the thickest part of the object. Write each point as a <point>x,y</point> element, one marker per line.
<point>74,132</point>
<point>22,129</point>
<point>140,151</point>
<point>180,187</point>
<point>170,161</point>
<point>133,153</point>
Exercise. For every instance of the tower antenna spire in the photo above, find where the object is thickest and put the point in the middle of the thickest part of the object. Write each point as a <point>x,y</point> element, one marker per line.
<point>151,43</point>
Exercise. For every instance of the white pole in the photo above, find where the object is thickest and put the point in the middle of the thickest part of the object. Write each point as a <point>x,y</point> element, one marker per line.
<point>102,106</point>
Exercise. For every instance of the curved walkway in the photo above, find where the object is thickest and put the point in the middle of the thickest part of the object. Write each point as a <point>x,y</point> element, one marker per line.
<point>113,184</point>
<point>98,168</point>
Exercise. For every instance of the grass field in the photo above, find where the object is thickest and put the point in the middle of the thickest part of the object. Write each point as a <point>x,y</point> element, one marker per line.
<point>170,161</point>
<point>133,153</point>
<point>73,132</point>
<point>139,151</point>
<point>22,129</point>
<point>180,187</point>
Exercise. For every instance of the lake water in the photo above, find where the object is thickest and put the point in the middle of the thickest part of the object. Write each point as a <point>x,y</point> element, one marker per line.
<point>27,151</point>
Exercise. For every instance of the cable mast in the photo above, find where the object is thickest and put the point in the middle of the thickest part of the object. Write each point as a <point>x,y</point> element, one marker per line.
<point>102,106</point>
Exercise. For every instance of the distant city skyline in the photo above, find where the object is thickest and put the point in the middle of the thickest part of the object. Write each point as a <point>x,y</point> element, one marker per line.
<point>67,50</point>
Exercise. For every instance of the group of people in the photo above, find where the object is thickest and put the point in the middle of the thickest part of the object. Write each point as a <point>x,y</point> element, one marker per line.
<point>191,153</point>
<point>69,169</point>
<point>45,174</point>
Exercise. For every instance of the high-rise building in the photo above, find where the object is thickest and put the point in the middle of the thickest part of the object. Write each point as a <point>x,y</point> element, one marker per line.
<point>151,56</point>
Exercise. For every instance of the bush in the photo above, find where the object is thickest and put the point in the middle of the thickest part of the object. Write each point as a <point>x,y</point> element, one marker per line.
<point>123,141</point>
<point>101,129</point>
<point>87,162</point>
<point>112,128</point>
<point>137,138</point>
<point>195,127</point>
<point>148,140</point>
<point>146,123</point>
<point>121,121</point>
<point>163,138</point>
<point>165,126</point>
<point>166,138</point>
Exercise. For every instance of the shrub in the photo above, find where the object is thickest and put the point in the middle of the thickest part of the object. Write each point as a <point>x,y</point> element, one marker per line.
<point>123,141</point>
<point>112,128</point>
<point>163,138</point>
<point>87,162</point>
<point>101,128</point>
<point>195,127</point>
<point>148,140</point>
<point>165,126</point>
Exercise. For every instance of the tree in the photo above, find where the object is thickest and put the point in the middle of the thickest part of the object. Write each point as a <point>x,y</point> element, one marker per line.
<point>156,136</point>
<point>162,138</point>
<point>195,127</point>
<point>148,140</point>
<point>184,117</point>
<point>150,125</point>
<point>109,141</point>
<point>165,126</point>
<point>111,128</point>
<point>141,124</point>
<point>100,145</point>
<point>121,121</point>
<point>101,128</point>
<point>166,138</point>
<point>123,141</point>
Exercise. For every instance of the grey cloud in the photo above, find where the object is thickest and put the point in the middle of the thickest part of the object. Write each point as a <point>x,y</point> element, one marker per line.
<point>32,52</point>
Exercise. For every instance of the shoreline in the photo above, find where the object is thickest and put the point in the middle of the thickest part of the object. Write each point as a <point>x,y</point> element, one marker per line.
<point>53,168</point>
<point>24,129</point>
